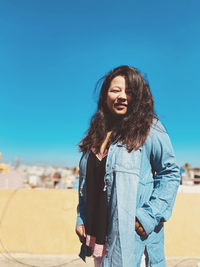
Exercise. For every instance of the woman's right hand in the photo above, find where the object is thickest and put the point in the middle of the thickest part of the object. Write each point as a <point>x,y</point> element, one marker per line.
<point>80,231</point>
<point>139,228</point>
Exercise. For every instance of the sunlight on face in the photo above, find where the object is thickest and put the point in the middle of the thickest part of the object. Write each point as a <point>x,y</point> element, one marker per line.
<point>118,96</point>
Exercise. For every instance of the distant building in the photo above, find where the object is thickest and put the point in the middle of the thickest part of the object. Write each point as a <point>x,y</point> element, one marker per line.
<point>195,172</point>
<point>11,180</point>
<point>190,175</point>
<point>3,168</point>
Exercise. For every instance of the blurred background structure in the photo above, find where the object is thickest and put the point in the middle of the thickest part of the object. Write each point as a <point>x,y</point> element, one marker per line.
<point>37,177</point>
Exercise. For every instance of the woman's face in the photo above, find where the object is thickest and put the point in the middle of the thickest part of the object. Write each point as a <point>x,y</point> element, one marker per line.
<point>118,96</point>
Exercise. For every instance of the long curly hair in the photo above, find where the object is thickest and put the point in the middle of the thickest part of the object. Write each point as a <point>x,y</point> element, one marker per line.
<point>130,129</point>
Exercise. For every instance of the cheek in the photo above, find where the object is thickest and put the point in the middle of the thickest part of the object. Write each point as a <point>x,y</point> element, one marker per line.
<point>109,101</point>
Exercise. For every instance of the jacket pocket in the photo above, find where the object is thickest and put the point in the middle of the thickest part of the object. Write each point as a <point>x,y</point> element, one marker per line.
<point>127,161</point>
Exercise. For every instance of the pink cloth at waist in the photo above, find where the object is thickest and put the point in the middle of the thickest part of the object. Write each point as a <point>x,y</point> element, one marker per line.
<point>98,250</point>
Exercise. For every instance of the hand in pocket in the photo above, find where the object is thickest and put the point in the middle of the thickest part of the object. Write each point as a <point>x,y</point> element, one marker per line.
<point>139,228</point>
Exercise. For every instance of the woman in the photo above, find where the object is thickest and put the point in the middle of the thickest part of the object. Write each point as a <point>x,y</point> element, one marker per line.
<point>128,176</point>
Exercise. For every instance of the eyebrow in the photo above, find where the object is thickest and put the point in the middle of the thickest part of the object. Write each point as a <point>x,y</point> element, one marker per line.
<point>115,86</point>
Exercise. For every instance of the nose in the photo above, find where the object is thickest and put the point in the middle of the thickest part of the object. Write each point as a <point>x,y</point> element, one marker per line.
<point>122,96</point>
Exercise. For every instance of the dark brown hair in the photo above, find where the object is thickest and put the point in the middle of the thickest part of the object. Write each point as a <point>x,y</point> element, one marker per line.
<point>132,128</point>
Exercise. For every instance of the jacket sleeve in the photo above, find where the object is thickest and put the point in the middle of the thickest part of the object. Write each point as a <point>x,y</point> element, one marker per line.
<point>81,205</point>
<point>167,179</point>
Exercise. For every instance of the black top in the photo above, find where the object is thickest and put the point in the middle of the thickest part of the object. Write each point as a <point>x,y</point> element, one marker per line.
<point>96,202</point>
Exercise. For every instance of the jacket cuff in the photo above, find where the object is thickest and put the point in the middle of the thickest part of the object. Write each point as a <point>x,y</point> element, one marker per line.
<point>146,220</point>
<point>79,221</point>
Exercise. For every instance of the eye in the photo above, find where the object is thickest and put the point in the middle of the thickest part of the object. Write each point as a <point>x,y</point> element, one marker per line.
<point>114,90</point>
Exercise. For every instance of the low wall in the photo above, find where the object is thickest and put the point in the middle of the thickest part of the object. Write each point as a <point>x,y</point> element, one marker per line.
<point>43,222</point>
<point>182,230</point>
<point>38,221</point>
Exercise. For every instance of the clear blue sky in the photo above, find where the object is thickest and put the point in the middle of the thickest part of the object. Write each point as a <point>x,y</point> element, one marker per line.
<point>53,52</point>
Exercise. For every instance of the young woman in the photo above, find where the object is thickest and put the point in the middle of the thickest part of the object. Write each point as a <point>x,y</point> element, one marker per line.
<point>128,176</point>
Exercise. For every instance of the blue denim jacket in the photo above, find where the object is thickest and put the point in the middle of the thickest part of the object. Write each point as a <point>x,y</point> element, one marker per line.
<point>140,184</point>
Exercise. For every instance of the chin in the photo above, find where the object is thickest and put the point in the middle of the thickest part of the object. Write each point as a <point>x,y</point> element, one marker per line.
<point>119,113</point>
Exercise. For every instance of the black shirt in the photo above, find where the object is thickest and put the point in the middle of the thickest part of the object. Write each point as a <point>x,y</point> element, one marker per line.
<point>96,201</point>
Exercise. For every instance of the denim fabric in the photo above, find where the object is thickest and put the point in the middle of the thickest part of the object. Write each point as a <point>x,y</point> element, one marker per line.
<point>140,184</point>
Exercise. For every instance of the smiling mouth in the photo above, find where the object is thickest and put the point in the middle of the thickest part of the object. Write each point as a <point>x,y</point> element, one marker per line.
<point>120,105</point>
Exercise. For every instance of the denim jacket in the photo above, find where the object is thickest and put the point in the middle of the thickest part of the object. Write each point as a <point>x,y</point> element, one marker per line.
<point>142,184</point>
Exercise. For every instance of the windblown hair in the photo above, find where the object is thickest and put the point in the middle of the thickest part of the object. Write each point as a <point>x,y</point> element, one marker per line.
<point>132,128</point>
